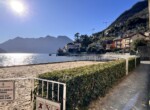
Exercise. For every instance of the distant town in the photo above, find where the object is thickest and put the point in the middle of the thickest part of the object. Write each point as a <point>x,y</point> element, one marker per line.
<point>84,44</point>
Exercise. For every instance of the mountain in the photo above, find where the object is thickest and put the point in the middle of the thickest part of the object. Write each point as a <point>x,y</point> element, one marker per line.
<point>2,51</point>
<point>131,21</point>
<point>46,44</point>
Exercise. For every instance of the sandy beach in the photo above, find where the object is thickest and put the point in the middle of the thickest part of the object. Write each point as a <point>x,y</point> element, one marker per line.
<point>23,87</point>
<point>35,70</point>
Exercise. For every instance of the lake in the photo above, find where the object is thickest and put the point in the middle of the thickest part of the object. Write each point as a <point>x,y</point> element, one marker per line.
<point>12,59</point>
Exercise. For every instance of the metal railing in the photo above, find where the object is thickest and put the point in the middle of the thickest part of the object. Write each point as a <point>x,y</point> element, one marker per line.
<point>52,90</point>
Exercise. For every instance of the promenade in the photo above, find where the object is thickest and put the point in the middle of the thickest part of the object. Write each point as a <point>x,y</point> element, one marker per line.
<point>131,93</point>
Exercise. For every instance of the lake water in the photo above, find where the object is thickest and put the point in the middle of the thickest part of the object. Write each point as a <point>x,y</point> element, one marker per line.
<point>12,59</point>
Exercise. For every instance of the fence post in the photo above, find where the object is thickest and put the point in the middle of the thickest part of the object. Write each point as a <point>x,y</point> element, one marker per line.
<point>64,97</point>
<point>135,61</point>
<point>32,92</point>
<point>127,66</point>
<point>47,90</point>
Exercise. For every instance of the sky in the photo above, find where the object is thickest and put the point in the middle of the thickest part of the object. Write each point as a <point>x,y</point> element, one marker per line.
<point>58,17</point>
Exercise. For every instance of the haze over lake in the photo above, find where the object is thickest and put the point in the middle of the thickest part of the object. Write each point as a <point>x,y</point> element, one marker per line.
<point>15,59</point>
<point>12,59</point>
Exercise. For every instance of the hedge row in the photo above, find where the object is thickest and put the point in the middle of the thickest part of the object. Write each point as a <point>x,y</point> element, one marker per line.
<point>131,65</point>
<point>138,61</point>
<point>87,83</point>
<point>148,102</point>
<point>148,93</point>
<point>149,99</point>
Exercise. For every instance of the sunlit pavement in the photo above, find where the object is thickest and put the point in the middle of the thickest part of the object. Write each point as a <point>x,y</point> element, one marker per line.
<point>130,94</point>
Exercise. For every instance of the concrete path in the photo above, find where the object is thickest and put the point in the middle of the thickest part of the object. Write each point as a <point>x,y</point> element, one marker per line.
<point>130,94</point>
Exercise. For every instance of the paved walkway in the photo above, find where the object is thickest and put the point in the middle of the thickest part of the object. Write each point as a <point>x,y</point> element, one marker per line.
<point>130,94</point>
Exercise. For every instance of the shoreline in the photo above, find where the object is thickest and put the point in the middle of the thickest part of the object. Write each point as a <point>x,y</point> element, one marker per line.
<point>36,64</point>
<point>24,87</point>
<point>50,63</point>
<point>35,70</point>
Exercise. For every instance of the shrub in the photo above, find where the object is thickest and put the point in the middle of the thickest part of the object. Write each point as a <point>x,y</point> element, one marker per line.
<point>89,82</point>
<point>138,42</point>
<point>131,64</point>
<point>149,96</point>
<point>138,61</point>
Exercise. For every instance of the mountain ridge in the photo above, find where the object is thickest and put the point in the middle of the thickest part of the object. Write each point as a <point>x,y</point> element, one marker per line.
<point>2,51</point>
<point>48,44</point>
<point>129,22</point>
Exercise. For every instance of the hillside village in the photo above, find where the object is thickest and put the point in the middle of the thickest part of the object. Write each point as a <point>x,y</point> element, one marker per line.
<point>120,37</point>
<point>94,81</point>
<point>119,44</point>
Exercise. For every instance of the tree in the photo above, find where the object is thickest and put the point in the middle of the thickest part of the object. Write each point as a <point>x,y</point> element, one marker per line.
<point>85,40</point>
<point>77,37</point>
<point>95,48</point>
<point>138,42</point>
<point>60,52</point>
<point>94,38</point>
<point>92,48</point>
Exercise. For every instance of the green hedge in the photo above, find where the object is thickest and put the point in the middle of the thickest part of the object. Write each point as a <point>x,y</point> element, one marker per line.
<point>138,61</point>
<point>148,93</point>
<point>131,65</point>
<point>87,83</point>
<point>149,97</point>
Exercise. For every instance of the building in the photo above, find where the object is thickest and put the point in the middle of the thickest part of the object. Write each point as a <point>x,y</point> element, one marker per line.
<point>72,47</point>
<point>147,34</point>
<point>138,36</point>
<point>69,46</point>
<point>127,41</point>
<point>110,44</point>
<point>77,45</point>
<point>118,43</point>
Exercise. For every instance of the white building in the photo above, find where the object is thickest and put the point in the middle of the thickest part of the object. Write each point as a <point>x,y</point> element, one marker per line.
<point>73,46</point>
